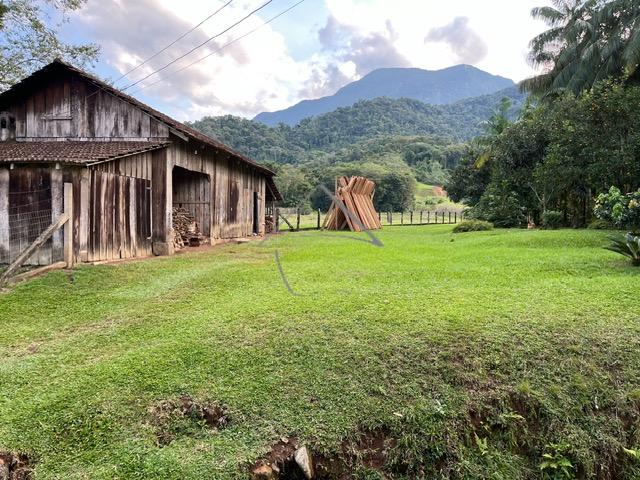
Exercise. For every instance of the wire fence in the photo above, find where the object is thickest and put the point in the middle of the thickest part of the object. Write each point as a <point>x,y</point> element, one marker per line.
<point>292,219</point>
<point>29,214</point>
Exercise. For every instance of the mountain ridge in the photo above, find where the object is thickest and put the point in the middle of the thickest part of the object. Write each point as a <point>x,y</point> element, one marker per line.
<point>434,87</point>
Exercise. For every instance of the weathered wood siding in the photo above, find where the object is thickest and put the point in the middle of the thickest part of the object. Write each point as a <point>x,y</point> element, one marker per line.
<point>72,108</point>
<point>119,217</point>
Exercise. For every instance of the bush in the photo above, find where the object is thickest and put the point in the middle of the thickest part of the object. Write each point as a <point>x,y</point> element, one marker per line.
<point>473,226</point>
<point>600,225</point>
<point>623,211</point>
<point>500,206</point>
<point>552,219</point>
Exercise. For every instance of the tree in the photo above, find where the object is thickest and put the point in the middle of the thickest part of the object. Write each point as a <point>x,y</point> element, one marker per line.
<point>29,38</point>
<point>588,41</point>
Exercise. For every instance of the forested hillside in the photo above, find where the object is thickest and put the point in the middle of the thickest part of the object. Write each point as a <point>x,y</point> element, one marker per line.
<point>396,142</point>
<point>366,120</point>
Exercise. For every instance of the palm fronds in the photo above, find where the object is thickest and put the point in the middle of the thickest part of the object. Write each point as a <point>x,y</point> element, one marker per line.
<point>627,245</point>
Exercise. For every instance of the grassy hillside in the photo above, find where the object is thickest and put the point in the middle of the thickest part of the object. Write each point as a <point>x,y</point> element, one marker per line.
<point>467,356</point>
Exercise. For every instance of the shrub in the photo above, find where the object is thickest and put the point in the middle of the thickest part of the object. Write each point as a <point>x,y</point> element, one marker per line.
<point>473,226</point>
<point>499,206</point>
<point>623,211</point>
<point>598,224</point>
<point>627,245</point>
<point>552,219</point>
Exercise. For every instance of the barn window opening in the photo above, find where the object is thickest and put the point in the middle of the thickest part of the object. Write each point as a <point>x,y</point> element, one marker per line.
<point>191,194</point>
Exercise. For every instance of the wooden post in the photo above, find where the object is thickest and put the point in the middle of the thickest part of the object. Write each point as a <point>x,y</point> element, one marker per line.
<point>420,217</point>
<point>391,218</point>
<point>455,217</point>
<point>318,219</point>
<point>68,227</point>
<point>435,216</point>
<point>449,217</point>
<point>276,214</point>
<point>298,218</point>
<point>442,217</point>
<point>4,215</point>
<point>402,218</point>
<point>428,218</point>
<point>411,216</point>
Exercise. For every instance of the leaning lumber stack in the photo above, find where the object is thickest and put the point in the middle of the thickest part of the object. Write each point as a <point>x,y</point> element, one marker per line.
<point>356,195</point>
<point>186,229</point>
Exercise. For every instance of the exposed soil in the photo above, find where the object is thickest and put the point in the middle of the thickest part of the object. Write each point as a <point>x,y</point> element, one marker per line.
<point>186,416</point>
<point>369,451</point>
<point>15,467</point>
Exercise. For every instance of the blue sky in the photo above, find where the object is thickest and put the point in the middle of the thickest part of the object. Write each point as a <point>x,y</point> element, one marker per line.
<point>311,51</point>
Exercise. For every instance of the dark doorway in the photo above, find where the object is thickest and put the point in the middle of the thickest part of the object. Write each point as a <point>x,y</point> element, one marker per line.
<point>256,214</point>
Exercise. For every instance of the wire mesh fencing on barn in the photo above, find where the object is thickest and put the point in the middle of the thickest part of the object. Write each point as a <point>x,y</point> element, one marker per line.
<point>29,214</point>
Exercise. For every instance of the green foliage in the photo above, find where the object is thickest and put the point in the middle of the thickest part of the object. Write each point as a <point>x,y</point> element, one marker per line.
<point>29,38</point>
<point>598,224</point>
<point>623,211</point>
<point>555,464</point>
<point>552,219</point>
<point>588,41</point>
<point>500,206</point>
<point>468,181</point>
<point>559,155</point>
<point>627,245</point>
<point>472,226</point>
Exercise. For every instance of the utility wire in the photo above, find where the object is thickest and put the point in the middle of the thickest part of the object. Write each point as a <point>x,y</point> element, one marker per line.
<point>198,46</point>
<point>219,49</point>
<point>172,43</point>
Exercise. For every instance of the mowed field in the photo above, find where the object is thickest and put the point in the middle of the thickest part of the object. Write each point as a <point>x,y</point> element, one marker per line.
<point>466,356</point>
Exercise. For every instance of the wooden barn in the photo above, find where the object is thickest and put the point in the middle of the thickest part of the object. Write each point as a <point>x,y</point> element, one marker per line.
<point>129,166</point>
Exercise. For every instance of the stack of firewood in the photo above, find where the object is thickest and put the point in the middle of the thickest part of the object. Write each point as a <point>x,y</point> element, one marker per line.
<point>354,194</point>
<point>186,231</point>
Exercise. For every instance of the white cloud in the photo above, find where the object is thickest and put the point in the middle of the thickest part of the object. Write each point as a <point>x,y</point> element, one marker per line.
<point>259,73</point>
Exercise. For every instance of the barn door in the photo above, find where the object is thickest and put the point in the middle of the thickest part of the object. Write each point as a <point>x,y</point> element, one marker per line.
<point>119,217</point>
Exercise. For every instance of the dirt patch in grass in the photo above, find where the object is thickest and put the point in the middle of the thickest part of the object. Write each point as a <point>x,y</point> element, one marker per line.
<point>368,453</point>
<point>186,416</point>
<point>15,467</point>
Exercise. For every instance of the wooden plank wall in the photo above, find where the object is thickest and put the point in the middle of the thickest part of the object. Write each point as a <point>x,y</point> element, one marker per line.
<point>192,191</point>
<point>119,217</point>
<point>71,107</point>
<point>138,166</point>
<point>234,183</point>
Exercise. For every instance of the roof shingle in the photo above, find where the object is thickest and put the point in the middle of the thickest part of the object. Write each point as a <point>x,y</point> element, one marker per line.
<point>78,152</point>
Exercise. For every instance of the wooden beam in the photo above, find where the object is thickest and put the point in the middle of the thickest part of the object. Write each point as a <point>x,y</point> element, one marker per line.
<point>68,227</point>
<point>36,272</point>
<point>37,243</point>
<point>4,215</point>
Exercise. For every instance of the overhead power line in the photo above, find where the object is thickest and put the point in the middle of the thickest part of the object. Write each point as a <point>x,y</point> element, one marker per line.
<point>173,43</point>
<point>198,46</point>
<point>219,49</point>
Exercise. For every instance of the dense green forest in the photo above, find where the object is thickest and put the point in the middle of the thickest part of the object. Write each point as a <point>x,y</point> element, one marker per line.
<point>583,139</point>
<point>395,142</point>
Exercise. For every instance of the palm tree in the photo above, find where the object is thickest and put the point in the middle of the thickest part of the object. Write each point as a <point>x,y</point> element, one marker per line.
<point>588,41</point>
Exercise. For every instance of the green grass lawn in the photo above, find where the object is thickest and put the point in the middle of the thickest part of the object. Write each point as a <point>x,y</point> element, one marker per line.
<point>475,354</point>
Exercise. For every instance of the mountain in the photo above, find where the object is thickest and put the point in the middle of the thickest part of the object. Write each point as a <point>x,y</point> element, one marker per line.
<point>363,121</point>
<point>438,87</point>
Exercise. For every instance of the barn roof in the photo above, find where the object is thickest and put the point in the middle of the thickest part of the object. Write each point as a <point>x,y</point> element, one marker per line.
<point>60,66</point>
<point>72,152</point>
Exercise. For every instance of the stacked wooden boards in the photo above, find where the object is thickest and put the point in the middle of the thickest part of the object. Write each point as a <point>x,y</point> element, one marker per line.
<point>356,194</point>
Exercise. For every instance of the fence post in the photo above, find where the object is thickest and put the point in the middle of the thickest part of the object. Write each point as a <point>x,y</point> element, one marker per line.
<point>449,217</point>
<point>420,217</point>
<point>435,217</point>
<point>391,218</point>
<point>428,218</point>
<point>276,214</point>
<point>297,218</point>
<point>402,218</point>
<point>411,217</point>
<point>318,219</point>
<point>68,227</point>
<point>455,218</point>
<point>442,217</point>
